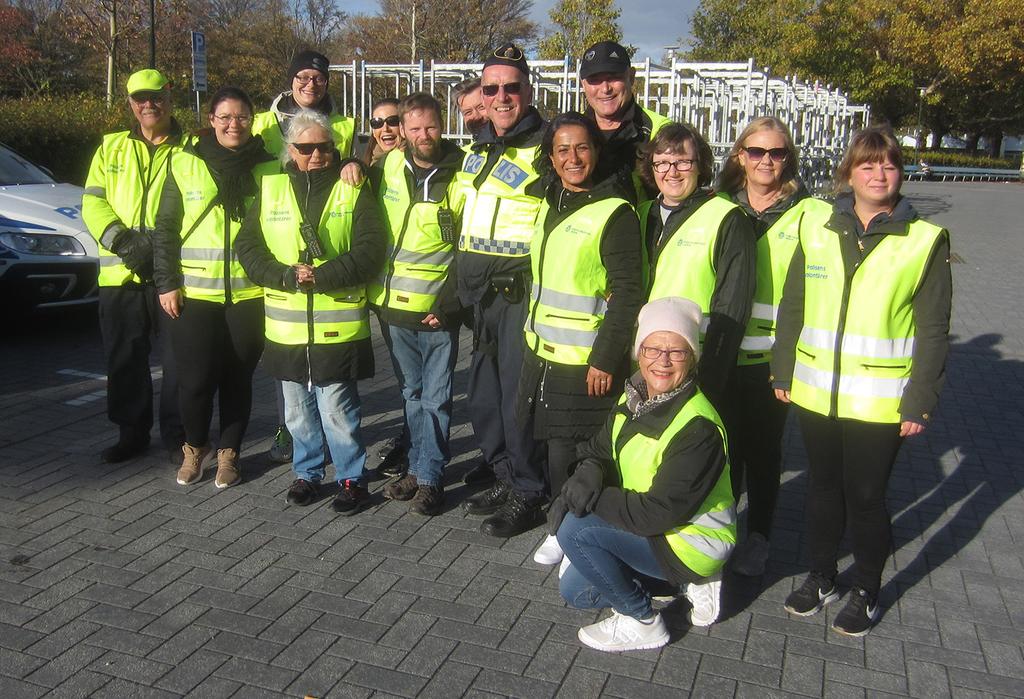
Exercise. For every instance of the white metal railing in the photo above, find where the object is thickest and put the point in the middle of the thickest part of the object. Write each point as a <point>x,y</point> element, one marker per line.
<point>718,99</point>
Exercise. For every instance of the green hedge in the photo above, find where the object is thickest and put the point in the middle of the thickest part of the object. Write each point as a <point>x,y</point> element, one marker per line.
<point>62,132</point>
<point>958,159</point>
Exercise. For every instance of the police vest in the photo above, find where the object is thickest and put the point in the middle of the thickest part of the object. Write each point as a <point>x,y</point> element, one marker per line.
<point>300,318</point>
<point>266,125</point>
<point>570,284</point>
<point>686,264</point>
<point>209,265</point>
<point>498,218</point>
<point>854,354</point>
<point>704,543</point>
<point>123,186</point>
<point>418,258</point>
<point>774,253</point>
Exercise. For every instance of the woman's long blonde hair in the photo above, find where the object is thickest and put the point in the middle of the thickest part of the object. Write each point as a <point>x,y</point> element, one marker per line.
<point>733,177</point>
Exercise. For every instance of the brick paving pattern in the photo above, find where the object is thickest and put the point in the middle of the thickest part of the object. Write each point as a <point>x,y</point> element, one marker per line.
<point>116,582</point>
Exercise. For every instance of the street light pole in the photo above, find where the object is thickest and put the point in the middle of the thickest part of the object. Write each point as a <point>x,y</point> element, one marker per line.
<point>152,33</point>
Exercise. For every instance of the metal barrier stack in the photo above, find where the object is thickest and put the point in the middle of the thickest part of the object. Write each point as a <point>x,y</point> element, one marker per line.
<point>719,99</point>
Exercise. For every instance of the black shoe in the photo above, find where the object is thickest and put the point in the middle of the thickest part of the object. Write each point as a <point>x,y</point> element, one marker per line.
<point>859,614</point>
<point>429,500</point>
<point>816,591</point>
<point>126,448</point>
<point>481,474</point>
<point>352,498</point>
<point>516,516</point>
<point>403,488</point>
<point>394,459</point>
<point>488,501</point>
<point>302,492</point>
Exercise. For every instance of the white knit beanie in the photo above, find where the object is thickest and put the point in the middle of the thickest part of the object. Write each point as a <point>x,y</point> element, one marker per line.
<point>670,314</point>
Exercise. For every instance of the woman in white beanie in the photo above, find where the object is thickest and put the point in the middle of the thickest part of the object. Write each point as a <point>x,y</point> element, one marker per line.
<point>652,496</point>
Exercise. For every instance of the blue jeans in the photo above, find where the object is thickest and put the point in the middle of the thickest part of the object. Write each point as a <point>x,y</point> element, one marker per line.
<point>424,364</point>
<point>605,560</point>
<point>331,411</point>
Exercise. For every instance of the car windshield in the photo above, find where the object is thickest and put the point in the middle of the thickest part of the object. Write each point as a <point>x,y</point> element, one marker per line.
<point>15,169</point>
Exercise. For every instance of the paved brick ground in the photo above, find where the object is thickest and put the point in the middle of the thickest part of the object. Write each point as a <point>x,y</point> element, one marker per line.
<point>116,582</point>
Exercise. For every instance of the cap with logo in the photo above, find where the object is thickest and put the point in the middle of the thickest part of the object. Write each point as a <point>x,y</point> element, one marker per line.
<point>508,55</point>
<point>147,80</point>
<point>604,57</point>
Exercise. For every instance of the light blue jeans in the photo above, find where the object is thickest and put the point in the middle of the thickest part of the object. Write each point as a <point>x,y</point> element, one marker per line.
<point>424,364</point>
<point>331,412</point>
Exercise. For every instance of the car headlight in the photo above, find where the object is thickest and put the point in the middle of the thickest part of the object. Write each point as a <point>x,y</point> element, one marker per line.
<point>41,244</point>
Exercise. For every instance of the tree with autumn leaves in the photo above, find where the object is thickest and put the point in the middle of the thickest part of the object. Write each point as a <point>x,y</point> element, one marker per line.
<point>957,62</point>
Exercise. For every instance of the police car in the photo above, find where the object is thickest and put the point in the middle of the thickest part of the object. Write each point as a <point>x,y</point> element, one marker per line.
<point>47,257</point>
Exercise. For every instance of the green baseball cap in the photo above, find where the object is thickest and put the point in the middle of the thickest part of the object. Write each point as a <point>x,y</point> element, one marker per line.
<point>148,80</point>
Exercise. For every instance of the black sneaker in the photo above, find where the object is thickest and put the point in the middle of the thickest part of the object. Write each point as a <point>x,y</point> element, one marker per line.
<point>301,492</point>
<point>127,447</point>
<point>352,498</point>
<point>488,501</point>
<point>403,488</point>
<point>515,516</point>
<point>481,474</point>
<point>859,614</point>
<point>394,459</point>
<point>817,591</point>
<point>429,500</point>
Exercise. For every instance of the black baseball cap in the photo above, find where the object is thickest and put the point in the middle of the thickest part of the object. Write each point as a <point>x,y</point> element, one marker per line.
<point>604,57</point>
<point>508,55</point>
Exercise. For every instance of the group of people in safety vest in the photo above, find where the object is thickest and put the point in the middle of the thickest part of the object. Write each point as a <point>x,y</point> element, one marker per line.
<point>640,329</point>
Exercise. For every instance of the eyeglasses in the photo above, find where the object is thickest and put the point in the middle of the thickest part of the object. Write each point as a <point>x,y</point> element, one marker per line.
<point>674,355</point>
<point>147,96</point>
<point>308,148</point>
<point>663,166</point>
<point>378,122</point>
<point>318,80</point>
<point>778,155</point>
<point>509,88</point>
<point>225,119</point>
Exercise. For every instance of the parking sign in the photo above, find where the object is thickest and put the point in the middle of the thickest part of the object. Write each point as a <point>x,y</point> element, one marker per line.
<point>198,62</point>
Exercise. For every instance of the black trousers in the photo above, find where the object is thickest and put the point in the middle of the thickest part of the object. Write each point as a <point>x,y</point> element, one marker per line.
<point>755,444</point>
<point>561,457</point>
<point>507,443</point>
<point>849,463</point>
<point>129,316</point>
<point>218,347</point>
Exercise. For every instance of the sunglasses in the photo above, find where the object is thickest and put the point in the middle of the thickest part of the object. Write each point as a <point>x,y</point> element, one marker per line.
<point>509,88</point>
<point>778,155</point>
<point>308,148</point>
<point>146,96</point>
<point>378,122</point>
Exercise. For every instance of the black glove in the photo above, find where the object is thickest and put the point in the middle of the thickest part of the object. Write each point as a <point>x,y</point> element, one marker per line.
<point>290,279</point>
<point>137,253</point>
<point>584,488</point>
<point>556,513</point>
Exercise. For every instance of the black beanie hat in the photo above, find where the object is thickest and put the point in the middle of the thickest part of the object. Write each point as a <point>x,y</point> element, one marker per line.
<point>308,59</point>
<point>508,55</point>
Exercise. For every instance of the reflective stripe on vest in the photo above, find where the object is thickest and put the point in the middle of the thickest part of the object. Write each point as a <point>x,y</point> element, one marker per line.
<point>774,253</point>
<point>418,258</point>
<point>499,217</point>
<point>861,371</point>
<point>299,318</point>
<point>686,265</point>
<point>704,543</point>
<point>127,177</point>
<point>568,298</point>
<point>266,125</point>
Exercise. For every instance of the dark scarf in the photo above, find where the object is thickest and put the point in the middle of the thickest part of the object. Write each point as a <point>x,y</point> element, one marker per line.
<point>232,170</point>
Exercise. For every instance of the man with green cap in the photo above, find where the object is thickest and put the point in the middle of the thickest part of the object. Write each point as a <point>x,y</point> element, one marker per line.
<point>122,192</point>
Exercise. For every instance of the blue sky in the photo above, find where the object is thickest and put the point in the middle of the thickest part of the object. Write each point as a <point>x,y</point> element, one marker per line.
<point>650,25</point>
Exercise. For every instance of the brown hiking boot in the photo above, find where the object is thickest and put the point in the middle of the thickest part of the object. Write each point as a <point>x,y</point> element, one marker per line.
<point>429,500</point>
<point>227,468</point>
<point>192,467</point>
<point>402,488</point>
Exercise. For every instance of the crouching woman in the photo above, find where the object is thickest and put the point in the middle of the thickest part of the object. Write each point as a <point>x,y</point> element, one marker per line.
<point>313,241</point>
<point>651,498</point>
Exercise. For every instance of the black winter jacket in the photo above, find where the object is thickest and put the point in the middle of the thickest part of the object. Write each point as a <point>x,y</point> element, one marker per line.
<point>322,364</point>
<point>621,151</point>
<point>558,392</point>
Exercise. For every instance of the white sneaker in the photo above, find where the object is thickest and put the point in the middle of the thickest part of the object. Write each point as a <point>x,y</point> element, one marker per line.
<point>619,633</point>
<point>706,600</point>
<point>563,566</point>
<point>750,556</point>
<point>549,552</point>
